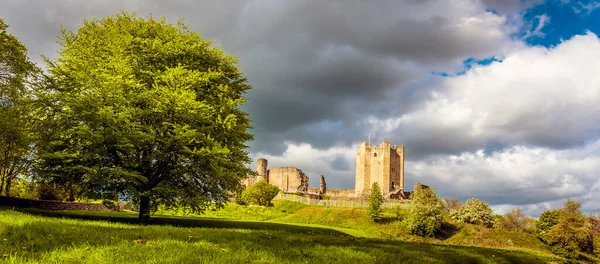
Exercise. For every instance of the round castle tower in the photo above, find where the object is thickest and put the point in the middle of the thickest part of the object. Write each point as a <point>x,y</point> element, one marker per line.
<point>261,169</point>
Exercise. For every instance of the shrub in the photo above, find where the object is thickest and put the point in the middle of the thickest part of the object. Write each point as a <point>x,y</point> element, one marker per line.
<point>49,191</point>
<point>515,220</point>
<point>375,203</point>
<point>238,196</point>
<point>261,193</point>
<point>474,211</point>
<point>324,197</point>
<point>547,220</point>
<point>572,233</point>
<point>426,213</point>
<point>451,204</point>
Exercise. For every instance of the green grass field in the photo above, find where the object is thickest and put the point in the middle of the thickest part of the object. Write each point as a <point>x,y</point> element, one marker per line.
<point>36,236</point>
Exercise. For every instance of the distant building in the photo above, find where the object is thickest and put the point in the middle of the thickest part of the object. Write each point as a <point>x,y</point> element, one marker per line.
<point>383,164</point>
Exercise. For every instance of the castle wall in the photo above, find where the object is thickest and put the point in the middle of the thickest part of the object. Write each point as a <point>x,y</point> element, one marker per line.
<point>340,192</point>
<point>363,168</point>
<point>288,179</point>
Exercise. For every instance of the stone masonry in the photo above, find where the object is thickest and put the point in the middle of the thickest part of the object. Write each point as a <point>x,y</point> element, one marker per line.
<point>383,164</point>
<point>288,179</point>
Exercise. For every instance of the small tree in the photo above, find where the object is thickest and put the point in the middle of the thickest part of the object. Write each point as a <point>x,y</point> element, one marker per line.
<point>547,220</point>
<point>375,203</point>
<point>514,220</point>
<point>572,232</point>
<point>451,203</point>
<point>474,211</point>
<point>426,213</point>
<point>261,193</point>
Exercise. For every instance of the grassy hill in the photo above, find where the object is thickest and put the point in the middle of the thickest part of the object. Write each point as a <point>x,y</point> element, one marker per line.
<point>355,222</point>
<point>35,236</point>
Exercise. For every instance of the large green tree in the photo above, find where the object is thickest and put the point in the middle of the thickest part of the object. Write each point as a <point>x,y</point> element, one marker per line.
<point>146,109</point>
<point>16,73</point>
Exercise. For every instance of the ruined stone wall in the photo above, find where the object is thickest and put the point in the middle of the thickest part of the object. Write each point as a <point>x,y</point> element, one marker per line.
<point>288,179</point>
<point>55,205</point>
<point>340,192</point>
<point>313,190</point>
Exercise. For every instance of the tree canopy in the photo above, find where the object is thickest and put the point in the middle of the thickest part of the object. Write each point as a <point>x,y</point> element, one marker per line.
<point>16,71</point>
<point>146,109</point>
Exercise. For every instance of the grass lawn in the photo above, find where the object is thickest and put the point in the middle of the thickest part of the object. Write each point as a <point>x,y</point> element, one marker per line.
<point>35,236</point>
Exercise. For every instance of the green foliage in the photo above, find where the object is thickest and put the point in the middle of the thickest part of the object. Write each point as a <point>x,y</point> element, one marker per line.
<point>238,196</point>
<point>547,220</point>
<point>16,113</point>
<point>375,203</point>
<point>572,232</point>
<point>261,193</point>
<point>425,216</point>
<point>324,197</point>
<point>52,192</point>
<point>24,188</point>
<point>146,110</point>
<point>474,211</point>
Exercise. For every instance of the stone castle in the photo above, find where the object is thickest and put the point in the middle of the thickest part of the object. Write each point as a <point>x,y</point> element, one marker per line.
<point>383,164</point>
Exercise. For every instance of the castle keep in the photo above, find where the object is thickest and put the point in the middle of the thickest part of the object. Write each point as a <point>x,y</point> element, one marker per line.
<point>383,164</point>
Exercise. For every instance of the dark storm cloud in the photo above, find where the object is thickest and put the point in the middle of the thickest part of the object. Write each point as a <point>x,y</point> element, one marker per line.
<point>340,163</point>
<point>310,62</point>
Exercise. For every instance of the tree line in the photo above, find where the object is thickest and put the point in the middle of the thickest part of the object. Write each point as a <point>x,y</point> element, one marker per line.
<point>567,231</point>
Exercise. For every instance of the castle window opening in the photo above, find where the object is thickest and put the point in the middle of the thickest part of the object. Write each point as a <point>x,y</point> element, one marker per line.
<point>375,154</point>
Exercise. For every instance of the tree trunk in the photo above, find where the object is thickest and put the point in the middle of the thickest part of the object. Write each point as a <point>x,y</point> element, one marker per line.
<point>1,185</point>
<point>7,188</point>
<point>144,208</point>
<point>71,194</point>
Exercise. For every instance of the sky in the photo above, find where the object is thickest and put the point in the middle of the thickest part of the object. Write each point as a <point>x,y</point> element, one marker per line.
<point>493,99</point>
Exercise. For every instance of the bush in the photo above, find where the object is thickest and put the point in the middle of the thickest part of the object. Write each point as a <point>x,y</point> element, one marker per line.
<point>50,191</point>
<point>238,196</point>
<point>426,213</point>
<point>375,203</point>
<point>515,220</point>
<point>324,197</point>
<point>261,193</point>
<point>474,211</point>
<point>547,220</point>
<point>572,233</point>
<point>451,204</point>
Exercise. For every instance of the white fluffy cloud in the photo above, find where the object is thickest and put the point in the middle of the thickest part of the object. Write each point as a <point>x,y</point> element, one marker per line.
<point>539,106</point>
<point>315,162</point>
<point>535,96</point>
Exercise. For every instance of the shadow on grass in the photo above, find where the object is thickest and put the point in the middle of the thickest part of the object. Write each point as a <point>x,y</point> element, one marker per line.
<point>447,231</point>
<point>286,243</point>
<point>180,221</point>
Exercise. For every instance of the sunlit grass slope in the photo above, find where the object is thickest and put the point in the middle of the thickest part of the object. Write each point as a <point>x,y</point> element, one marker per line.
<point>38,237</point>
